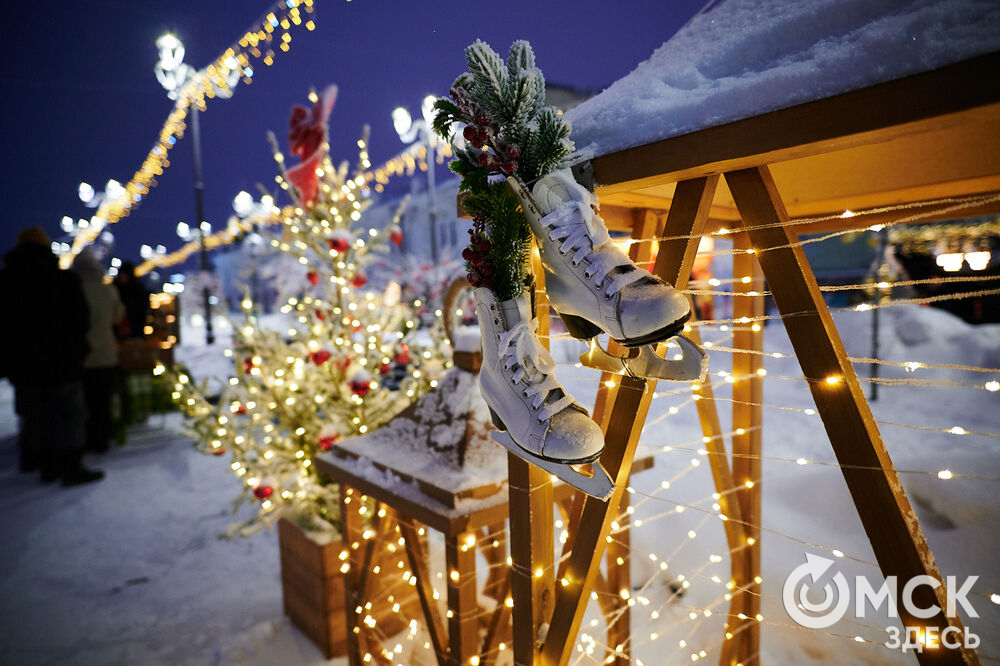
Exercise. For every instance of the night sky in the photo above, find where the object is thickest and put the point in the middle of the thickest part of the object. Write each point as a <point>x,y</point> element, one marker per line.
<point>81,102</point>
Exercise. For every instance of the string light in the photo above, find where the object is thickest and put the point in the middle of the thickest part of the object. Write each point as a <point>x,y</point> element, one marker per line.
<point>194,92</point>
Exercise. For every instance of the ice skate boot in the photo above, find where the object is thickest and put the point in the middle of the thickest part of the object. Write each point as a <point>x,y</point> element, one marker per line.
<point>539,421</point>
<point>596,288</point>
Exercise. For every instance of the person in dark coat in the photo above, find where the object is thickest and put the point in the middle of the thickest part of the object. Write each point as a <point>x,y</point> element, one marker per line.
<point>44,345</point>
<point>135,297</point>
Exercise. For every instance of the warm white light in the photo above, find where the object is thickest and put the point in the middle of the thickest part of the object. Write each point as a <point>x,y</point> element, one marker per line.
<point>86,192</point>
<point>243,203</point>
<point>401,120</point>
<point>183,230</point>
<point>978,261</point>
<point>950,261</point>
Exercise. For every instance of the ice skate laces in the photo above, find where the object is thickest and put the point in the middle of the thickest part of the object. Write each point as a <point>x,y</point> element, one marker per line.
<point>521,350</point>
<point>582,234</point>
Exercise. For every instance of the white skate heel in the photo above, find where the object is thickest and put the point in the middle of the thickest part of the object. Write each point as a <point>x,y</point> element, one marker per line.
<point>540,421</point>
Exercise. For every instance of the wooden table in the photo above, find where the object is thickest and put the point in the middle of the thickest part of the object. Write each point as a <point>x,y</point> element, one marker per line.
<point>398,508</point>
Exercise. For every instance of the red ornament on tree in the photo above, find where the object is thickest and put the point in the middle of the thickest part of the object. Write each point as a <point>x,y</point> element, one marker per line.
<point>313,278</point>
<point>339,244</point>
<point>241,410</point>
<point>361,383</point>
<point>359,280</point>
<point>396,236</point>
<point>327,442</point>
<point>248,364</point>
<point>306,135</point>
<point>218,452</point>
<point>319,357</point>
<point>403,357</point>
<point>262,492</point>
<point>384,368</point>
<point>320,315</point>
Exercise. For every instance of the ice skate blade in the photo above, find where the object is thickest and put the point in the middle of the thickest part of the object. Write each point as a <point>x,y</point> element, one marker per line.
<point>598,486</point>
<point>692,366</point>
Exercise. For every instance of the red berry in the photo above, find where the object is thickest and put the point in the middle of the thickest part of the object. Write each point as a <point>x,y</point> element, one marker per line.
<point>359,280</point>
<point>483,135</point>
<point>510,166</point>
<point>339,244</point>
<point>467,254</point>
<point>469,132</point>
<point>262,492</point>
<point>477,261</point>
<point>484,245</point>
<point>483,118</point>
<point>513,151</point>
<point>483,159</point>
<point>486,270</point>
<point>313,278</point>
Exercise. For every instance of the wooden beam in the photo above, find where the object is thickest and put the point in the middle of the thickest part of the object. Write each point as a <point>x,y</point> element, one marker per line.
<point>879,498</point>
<point>878,113</point>
<point>621,437</point>
<point>747,421</point>
<point>350,532</point>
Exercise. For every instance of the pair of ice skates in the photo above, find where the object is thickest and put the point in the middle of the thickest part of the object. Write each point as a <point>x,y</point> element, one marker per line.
<point>596,289</point>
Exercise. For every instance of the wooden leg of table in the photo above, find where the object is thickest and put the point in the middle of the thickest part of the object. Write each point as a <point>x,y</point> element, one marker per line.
<point>417,556</point>
<point>351,529</point>
<point>747,421</point>
<point>463,607</point>
<point>881,503</point>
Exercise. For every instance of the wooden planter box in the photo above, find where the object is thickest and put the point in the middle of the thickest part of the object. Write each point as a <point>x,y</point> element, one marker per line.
<point>313,591</point>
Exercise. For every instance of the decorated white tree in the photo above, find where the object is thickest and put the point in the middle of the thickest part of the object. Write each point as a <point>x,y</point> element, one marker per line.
<point>350,358</point>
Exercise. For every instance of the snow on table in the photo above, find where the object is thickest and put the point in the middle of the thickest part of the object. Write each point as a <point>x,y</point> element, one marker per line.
<point>742,58</point>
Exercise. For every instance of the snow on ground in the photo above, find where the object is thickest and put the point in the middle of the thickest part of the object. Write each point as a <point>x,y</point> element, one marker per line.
<point>742,58</point>
<point>130,570</point>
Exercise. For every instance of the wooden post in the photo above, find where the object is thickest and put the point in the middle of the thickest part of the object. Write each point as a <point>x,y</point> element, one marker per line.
<point>532,578</point>
<point>620,579</point>
<point>418,567</point>
<point>879,498</point>
<point>747,420</point>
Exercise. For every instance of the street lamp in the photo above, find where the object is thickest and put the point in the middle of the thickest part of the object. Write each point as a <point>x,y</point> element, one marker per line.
<point>244,206</point>
<point>421,131</point>
<point>173,74</point>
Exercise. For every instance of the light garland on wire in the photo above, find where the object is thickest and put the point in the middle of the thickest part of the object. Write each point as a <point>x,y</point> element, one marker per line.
<point>239,57</point>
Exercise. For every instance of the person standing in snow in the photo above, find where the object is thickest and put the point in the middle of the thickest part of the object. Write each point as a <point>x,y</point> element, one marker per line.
<point>44,344</point>
<point>101,363</point>
<point>135,297</point>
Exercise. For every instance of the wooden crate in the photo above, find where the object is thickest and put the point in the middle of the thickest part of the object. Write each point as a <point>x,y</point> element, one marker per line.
<point>313,591</point>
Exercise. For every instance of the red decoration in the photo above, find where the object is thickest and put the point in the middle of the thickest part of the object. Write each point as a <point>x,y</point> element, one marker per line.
<point>319,357</point>
<point>241,409</point>
<point>248,364</point>
<point>403,357</point>
<point>361,383</point>
<point>396,237</point>
<point>218,452</point>
<point>339,244</point>
<point>359,280</point>
<point>307,131</point>
<point>262,492</point>
<point>384,368</point>
<point>326,443</point>
<point>320,315</point>
<point>313,278</point>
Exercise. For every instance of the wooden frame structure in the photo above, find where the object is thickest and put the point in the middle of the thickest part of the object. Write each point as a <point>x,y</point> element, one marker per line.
<point>911,140</point>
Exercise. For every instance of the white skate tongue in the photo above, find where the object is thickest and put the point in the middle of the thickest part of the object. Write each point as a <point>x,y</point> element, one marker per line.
<point>536,364</point>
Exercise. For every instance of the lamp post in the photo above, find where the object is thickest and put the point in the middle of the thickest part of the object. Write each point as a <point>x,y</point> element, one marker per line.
<point>173,73</point>
<point>421,131</point>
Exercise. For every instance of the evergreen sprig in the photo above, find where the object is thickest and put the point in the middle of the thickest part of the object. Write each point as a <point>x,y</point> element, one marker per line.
<point>508,131</point>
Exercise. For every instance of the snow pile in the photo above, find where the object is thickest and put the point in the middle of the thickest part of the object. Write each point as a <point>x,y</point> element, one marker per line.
<point>746,57</point>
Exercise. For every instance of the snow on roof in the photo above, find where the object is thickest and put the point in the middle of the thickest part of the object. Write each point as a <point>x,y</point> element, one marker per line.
<point>743,58</point>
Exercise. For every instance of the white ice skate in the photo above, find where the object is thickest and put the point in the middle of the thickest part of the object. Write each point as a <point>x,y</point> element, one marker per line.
<point>539,421</point>
<point>596,288</point>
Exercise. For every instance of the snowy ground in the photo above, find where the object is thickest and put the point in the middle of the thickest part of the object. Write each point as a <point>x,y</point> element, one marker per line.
<point>130,570</point>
